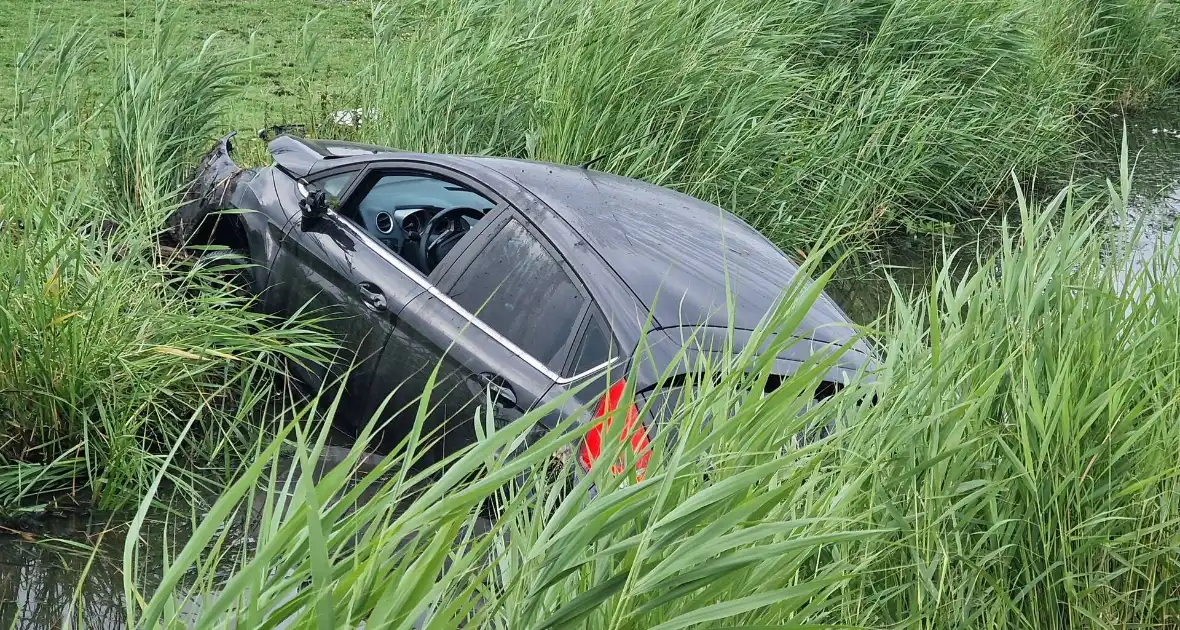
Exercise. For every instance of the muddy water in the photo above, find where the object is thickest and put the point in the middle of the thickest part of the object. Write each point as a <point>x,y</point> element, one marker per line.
<point>68,572</point>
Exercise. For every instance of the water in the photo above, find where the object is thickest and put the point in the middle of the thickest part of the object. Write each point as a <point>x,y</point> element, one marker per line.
<point>1154,151</point>
<point>66,572</point>
<point>1153,143</point>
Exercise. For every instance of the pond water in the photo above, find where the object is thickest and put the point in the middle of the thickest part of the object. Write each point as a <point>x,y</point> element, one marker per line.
<point>67,572</point>
<point>1153,142</point>
<point>1154,145</point>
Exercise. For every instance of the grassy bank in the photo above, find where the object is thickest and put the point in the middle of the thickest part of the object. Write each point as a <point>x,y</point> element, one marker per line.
<point>270,36</point>
<point>1016,471</point>
<point>875,114</point>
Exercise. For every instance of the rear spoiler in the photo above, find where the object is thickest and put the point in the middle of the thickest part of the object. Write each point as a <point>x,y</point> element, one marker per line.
<point>299,156</point>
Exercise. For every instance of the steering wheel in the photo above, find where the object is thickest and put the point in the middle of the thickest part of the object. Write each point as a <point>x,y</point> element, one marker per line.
<point>436,242</point>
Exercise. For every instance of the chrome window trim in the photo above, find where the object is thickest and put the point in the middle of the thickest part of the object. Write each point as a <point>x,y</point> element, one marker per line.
<point>423,282</point>
<point>562,380</point>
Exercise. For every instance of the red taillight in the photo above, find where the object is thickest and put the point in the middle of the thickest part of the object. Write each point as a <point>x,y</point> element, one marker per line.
<point>592,445</point>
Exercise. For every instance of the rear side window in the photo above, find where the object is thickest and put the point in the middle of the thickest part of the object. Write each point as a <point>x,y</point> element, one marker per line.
<point>594,348</point>
<point>515,286</point>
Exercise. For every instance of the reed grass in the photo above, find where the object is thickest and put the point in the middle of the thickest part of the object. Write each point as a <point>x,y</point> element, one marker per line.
<point>106,348</point>
<point>876,114</point>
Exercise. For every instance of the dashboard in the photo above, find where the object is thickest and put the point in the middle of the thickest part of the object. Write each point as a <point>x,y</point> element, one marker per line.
<point>396,208</point>
<point>398,227</point>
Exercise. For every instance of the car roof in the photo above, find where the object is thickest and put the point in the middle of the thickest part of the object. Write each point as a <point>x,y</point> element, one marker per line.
<point>682,258</point>
<point>678,254</point>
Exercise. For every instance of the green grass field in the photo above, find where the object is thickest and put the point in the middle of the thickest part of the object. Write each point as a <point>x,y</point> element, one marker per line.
<point>271,35</point>
<point>1018,468</point>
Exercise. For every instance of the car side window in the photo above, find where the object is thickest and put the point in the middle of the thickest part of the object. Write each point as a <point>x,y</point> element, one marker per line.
<point>401,191</point>
<point>594,348</point>
<point>521,291</point>
<point>334,185</point>
<point>394,208</point>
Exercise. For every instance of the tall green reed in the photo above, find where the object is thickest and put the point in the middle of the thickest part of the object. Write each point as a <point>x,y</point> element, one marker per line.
<point>1026,452</point>
<point>880,114</point>
<point>106,348</point>
<point>166,102</point>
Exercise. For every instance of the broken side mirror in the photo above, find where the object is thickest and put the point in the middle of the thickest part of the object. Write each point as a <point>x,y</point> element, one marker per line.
<point>314,205</point>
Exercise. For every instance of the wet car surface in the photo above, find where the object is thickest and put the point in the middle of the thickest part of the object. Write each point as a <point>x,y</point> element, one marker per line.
<point>519,280</point>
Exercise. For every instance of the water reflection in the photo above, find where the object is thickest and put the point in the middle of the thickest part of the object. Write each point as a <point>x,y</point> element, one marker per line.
<point>66,572</point>
<point>865,295</point>
<point>1153,143</point>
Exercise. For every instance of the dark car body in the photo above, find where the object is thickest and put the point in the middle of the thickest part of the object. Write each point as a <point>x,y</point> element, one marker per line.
<point>551,289</point>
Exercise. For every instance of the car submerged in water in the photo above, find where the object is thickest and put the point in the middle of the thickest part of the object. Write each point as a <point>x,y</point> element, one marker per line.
<point>522,281</point>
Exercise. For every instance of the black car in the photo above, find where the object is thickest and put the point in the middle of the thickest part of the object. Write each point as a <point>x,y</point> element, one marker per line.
<point>521,279</point>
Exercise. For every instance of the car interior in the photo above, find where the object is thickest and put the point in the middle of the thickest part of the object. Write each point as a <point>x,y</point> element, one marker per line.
<point>418,217</point>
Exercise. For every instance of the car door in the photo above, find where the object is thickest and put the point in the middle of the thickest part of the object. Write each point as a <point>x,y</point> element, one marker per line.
<point>316,270</point>
<point>352,264</point>
<point>496,329</point>
<point>334,268</point>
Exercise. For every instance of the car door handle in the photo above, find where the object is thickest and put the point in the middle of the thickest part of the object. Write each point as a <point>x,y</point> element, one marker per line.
<point>499,389</point>
<point>372,296</point>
